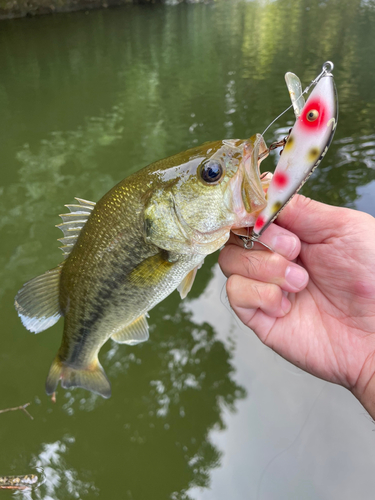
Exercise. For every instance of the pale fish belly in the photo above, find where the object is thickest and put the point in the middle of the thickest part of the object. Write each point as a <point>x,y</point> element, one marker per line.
<point>135,300</point>
<point>143,289</point>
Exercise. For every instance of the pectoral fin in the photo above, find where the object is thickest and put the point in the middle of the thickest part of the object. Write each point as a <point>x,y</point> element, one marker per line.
<point>134,333</point>
<point>185,286</point>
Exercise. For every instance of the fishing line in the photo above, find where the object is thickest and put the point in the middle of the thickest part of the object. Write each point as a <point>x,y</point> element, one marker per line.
<point>279,116</point>
<point>326,69</point>
<point>285,450</point>
<point>225,302</point>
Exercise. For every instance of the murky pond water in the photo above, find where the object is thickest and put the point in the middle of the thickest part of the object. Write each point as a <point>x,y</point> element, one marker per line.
<point>203,410</point>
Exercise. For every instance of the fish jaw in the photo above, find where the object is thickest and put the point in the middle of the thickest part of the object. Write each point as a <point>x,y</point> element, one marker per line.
<point>246,193</point>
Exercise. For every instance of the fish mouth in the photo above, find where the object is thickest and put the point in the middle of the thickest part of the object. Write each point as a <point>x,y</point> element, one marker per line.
<point>252,193</point>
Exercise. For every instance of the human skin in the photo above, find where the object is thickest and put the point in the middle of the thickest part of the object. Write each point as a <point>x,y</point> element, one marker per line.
<point>313,299</point>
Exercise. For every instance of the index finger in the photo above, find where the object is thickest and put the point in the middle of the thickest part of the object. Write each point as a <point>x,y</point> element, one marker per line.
<point>278,238</point>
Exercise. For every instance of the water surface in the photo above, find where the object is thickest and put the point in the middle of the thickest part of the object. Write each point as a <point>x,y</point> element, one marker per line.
<point>203,410</point>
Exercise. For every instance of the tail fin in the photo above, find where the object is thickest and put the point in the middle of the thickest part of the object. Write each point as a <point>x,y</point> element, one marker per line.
<point>92,378</point>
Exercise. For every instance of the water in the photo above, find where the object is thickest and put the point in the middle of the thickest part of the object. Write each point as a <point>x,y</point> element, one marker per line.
<point>203,410</point>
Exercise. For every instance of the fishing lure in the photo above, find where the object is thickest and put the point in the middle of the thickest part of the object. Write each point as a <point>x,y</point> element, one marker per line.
<point>305,147</point>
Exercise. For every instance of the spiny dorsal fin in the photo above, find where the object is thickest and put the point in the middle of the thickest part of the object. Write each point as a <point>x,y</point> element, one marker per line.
<point>37,302</point>
<point>73,222</point>
<point>134,333</point>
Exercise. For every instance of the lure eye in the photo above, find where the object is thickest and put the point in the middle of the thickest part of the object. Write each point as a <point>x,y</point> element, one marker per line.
<point>211,171</point>
<point>312,115</point>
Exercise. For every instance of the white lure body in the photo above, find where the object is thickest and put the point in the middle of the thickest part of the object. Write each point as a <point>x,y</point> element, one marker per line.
<point>308,142</point>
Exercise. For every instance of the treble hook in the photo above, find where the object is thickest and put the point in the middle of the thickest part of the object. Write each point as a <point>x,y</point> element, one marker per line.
<point>250,240</point>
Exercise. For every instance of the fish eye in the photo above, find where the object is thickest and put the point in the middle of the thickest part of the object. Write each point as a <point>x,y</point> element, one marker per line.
<point>211,171</point>
<point>312,115</point>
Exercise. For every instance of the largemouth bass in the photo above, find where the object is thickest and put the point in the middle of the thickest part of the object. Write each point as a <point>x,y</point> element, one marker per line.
<point>146,237</point>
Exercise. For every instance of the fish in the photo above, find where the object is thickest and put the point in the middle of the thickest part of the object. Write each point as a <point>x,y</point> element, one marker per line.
<point>308,142</point>
<point>142,240</point>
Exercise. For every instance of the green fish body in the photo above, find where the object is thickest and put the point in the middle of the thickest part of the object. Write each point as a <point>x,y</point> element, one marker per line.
<point>146,237</point>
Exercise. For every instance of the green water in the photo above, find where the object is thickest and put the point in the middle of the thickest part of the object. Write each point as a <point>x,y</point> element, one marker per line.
<point>203,410</point>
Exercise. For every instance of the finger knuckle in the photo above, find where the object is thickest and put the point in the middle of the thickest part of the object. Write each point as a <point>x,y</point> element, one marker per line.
<point>251,263</point>
<point>262,265</point>
<point>271,294</point>
<point>232,285</point>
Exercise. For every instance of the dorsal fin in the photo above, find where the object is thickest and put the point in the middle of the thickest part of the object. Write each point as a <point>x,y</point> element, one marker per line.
<point>73,222</point>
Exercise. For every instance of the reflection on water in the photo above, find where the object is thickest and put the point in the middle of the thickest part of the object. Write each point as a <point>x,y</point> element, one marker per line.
<point>168,395</point>
<point>58,479</point>
<point>30,203</point>
<point>360,151</point>
<point>176,386</point>
<point>88,99</point>
<point>354,166</point>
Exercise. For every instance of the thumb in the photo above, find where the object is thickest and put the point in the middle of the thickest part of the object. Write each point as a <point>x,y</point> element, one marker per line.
<point>314,222</point>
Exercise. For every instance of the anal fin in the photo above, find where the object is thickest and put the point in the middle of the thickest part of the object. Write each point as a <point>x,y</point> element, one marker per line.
<point>134,333</point>
<point>91,377</point>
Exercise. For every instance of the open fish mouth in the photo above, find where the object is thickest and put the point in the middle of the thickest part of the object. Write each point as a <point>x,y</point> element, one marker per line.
<point>252,192</point>
<point>247,193</point>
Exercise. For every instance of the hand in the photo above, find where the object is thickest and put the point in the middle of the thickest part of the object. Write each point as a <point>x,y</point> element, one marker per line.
<point>319,311</point>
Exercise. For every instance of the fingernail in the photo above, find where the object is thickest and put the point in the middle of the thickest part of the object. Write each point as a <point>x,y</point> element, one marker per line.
<point>285,305</point>
<point>296,276</point>
<point>285,244</point>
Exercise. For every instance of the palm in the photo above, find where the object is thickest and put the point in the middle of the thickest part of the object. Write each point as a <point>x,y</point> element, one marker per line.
<point>330,330</point>
<point>327,327</point>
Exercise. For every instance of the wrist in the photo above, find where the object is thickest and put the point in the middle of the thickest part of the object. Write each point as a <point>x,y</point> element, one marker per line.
<point>364,389</point>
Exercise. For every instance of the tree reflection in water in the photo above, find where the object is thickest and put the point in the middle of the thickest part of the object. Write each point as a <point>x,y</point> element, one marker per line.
<point>168,394</point>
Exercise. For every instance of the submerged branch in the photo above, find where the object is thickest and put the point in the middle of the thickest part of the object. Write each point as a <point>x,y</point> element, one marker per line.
<point>22,407</point>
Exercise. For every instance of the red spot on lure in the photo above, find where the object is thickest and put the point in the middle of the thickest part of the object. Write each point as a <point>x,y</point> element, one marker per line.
<point>280,179</point>
<point>259,223</point>
<point>317,105</point>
